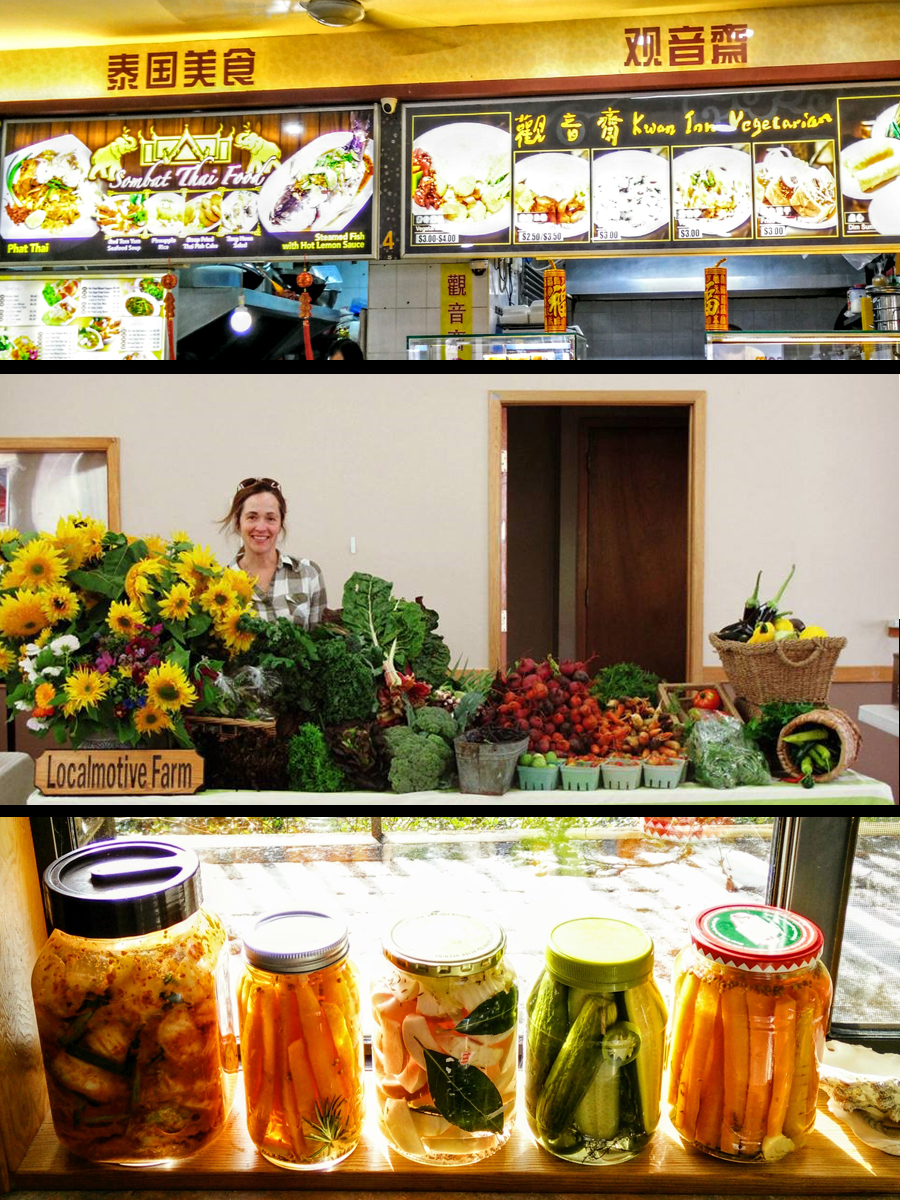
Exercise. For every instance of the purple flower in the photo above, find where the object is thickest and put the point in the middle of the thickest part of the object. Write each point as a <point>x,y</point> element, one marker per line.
<point>105,662</point>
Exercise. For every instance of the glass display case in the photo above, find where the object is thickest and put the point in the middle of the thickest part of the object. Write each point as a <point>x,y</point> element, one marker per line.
<point>509,346</point>
<point>849,345</point>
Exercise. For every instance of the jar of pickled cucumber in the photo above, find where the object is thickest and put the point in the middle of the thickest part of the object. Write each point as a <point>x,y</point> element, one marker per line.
<point>301,1040</point>
<point>133,1004</point>
<point>750,1011</point>
<point>445,1044</point>
<point>595,1042</point>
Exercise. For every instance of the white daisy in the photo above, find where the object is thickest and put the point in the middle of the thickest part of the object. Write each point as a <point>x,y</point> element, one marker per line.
<point>61,644</point>
<point>53,671</point>
<point>32,649</point>
<point>36,725</point>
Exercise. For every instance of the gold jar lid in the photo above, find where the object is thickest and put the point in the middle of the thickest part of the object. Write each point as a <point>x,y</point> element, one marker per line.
<point>441,943</point>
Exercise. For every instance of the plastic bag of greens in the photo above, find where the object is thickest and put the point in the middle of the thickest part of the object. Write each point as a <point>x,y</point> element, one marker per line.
<point>722,757</point>
<point>249,693</point>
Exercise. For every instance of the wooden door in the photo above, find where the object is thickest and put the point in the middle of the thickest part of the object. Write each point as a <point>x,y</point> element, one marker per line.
<point>633,541</point>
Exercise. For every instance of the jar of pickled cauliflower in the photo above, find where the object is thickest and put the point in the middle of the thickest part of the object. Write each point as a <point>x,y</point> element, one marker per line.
<point>301,1040</point>
<point>595,1043</point>
<point>750,1012</point>
<point>445,1044</point>
<point>133,1004</point>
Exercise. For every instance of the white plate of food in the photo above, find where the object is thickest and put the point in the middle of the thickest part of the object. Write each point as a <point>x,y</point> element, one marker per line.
<point>323,186</point>
<point>150,286</point>
<point>884,120</point>
<point>884,211</point>
<point>631,192</point>
<point>868,165</point>
<point>550,191</point>
<point>46,191</point>
<point>714,183</point>
<point>784,181</point>
<point>139,304</point>
<point>122,215</point>
<point>165,214</point>
<point>240,211</point>
<point>461,177</point>
<point>202,214</point>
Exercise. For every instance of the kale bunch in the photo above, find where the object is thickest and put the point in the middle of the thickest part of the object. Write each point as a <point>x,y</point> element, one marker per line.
<point>310,765</point>
<point>344,681</point>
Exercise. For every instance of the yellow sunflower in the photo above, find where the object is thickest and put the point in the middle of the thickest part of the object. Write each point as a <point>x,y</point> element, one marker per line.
<point>139,580</point>
<point>218,598</point>
<point>44,636</point>
<point>226,629</point>
<point>156,545</point>
<point>9,535</point>
<point>96,532</point>
<point>176,604</point>
<point>22,615</point>
<point>240,582</point>
<point>195,566</point>
<point>40,563</point>
<point>7,658</point>
<point>59,603</point>
<point>73,540</point>
<point>169,688</point>
<point>85,688</point>
<point>150,719</point>
<point>124,618</point>
<point>180,536</point>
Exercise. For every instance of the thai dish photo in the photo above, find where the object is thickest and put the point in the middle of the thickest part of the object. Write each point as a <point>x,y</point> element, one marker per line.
<point>140,306</point>
<point>98,333</point>
<point>61,313</point>
<point>712,188</point>
<point>45,190</point>
<point>165,213</point>
<point>239,211</point>
<point>551,189</point>
<point>203,212</point>
<point>19,349</point>
<point>152,287</point>
<point>122,214</point>
<point>136,1063</point>
<point>631,193</point>
<point>61,297</point>
<point>784,180</point>
<point>314,193</point>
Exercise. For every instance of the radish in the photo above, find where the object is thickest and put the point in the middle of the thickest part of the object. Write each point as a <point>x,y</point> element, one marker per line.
<point>467,1050</point>
<point>394,1055</point>
<point>412,1078</point>
<point>400,1129</point>
<point>417,1038</point>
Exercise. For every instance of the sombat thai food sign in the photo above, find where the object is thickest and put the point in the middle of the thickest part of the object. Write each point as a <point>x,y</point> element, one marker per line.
<point>267,185</point>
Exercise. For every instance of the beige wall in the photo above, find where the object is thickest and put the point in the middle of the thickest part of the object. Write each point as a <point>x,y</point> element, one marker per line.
<point>798,468</point>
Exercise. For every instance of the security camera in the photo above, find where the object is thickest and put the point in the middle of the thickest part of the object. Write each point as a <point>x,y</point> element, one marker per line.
<point>479,266</point>
<point>389,104</point>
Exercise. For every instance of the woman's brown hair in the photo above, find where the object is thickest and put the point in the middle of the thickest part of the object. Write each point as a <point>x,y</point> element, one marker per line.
<point>232,519</point>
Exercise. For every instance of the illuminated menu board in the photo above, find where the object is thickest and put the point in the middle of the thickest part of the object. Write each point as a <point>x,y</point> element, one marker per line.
<point>95,318</point>
<point>653,173</point>
<point>226,186</point>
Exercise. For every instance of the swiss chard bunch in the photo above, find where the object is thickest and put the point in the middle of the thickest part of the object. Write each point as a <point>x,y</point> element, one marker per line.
<point>396,633</point>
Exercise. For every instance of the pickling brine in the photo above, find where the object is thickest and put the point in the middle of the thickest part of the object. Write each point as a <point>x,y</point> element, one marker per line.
<point>445,1044</point>
<point>301,1041</point>
<point>750,1012</point>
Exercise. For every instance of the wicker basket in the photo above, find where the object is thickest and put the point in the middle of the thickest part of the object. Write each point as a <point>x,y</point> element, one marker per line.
<point>795,670</point>
<point>229,727</point>
<point>676,694</point>
<point>832,718</point>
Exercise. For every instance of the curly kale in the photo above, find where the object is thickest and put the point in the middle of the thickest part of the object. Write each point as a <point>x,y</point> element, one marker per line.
<point>345,682</point>
<point>310,765</point>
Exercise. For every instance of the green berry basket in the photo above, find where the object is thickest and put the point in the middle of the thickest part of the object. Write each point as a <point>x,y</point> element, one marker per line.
<point>668,776</point>
<point>538,779</point>
<point>621,775</point>
<point>580,779</point>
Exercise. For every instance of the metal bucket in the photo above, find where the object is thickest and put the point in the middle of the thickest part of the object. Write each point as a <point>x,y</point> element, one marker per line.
<point>886,308</point>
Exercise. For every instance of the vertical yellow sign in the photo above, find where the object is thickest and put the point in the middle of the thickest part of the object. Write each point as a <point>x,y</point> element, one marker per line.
<point>715,297</point>
<point>554,300</point>
<point>456,298</point>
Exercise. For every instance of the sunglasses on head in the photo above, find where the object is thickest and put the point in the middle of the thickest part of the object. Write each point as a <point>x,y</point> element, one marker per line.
<point>272,483</point>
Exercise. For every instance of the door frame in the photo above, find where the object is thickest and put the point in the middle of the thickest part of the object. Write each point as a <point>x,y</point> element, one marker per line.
<point>498,403</point>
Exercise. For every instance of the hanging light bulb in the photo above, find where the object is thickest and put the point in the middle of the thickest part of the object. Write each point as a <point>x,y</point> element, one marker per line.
<point>241,318</point>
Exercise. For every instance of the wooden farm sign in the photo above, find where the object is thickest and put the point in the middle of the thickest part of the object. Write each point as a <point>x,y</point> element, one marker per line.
<point>118,772</point>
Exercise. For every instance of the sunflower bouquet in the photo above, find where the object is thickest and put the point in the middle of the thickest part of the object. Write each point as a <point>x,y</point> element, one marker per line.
<point>102,632</point>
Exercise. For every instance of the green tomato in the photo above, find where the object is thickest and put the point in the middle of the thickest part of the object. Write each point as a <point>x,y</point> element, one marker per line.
<point>526,760</point>
<point>538,761</point>
<point>551,758</point>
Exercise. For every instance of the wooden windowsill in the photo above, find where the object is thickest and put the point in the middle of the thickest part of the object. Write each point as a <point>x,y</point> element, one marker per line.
<point>832,1162</point>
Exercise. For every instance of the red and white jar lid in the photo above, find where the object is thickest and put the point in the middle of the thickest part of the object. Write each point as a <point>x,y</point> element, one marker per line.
<point>757,937</point>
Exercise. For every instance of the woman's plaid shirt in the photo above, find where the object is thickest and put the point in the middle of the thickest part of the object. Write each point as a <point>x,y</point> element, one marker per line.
<point>297,591</point>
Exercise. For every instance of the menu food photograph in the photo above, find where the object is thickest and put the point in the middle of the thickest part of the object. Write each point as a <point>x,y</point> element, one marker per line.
<point>213,187</point>
<point>551,190</point>
<point>631,198</point>
<point>870,164</point>
<point>796,192</point>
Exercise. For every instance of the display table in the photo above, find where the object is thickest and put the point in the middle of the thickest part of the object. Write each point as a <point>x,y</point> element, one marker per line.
<point>882,716</point>
<point>851,789</point>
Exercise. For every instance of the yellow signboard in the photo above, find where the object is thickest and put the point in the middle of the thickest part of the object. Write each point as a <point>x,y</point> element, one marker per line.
<point>456,298</point>
<point>227,67</point>
<point>554,300</point>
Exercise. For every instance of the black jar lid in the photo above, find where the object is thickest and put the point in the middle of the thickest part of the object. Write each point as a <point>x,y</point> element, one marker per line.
<point>122,888</point>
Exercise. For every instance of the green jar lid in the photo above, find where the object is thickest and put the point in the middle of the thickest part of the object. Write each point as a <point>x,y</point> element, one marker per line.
<point>595,952</point>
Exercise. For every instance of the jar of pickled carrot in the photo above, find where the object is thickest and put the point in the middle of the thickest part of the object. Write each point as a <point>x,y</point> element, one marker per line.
<point>133,1004</point>
<point>750,1011</point>
<point>445,1045</point>
<point>301,1040</point>
<point>594,1044</point>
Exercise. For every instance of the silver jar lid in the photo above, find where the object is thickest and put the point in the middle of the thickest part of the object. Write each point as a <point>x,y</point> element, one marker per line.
<point>296,941</point>
<point>440,943</point>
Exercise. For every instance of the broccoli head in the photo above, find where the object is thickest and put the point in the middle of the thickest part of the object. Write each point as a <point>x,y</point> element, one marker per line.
<point>436,720</point>
<point>396,736</point>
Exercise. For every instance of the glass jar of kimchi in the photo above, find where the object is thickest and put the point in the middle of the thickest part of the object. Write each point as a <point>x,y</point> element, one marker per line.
<point>133,1004</point>
<point>301,1040</point>
<point>445,1043</point>
<point>750,1011</point>
<point>595,1042</point>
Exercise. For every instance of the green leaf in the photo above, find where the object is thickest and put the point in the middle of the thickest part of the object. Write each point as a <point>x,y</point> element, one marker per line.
<point>181,657</point>
<point>181,735</point>
<point>196,624</point>
<point>463,1095</point>
<point>100,581</point>
<point>495,1015</point>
